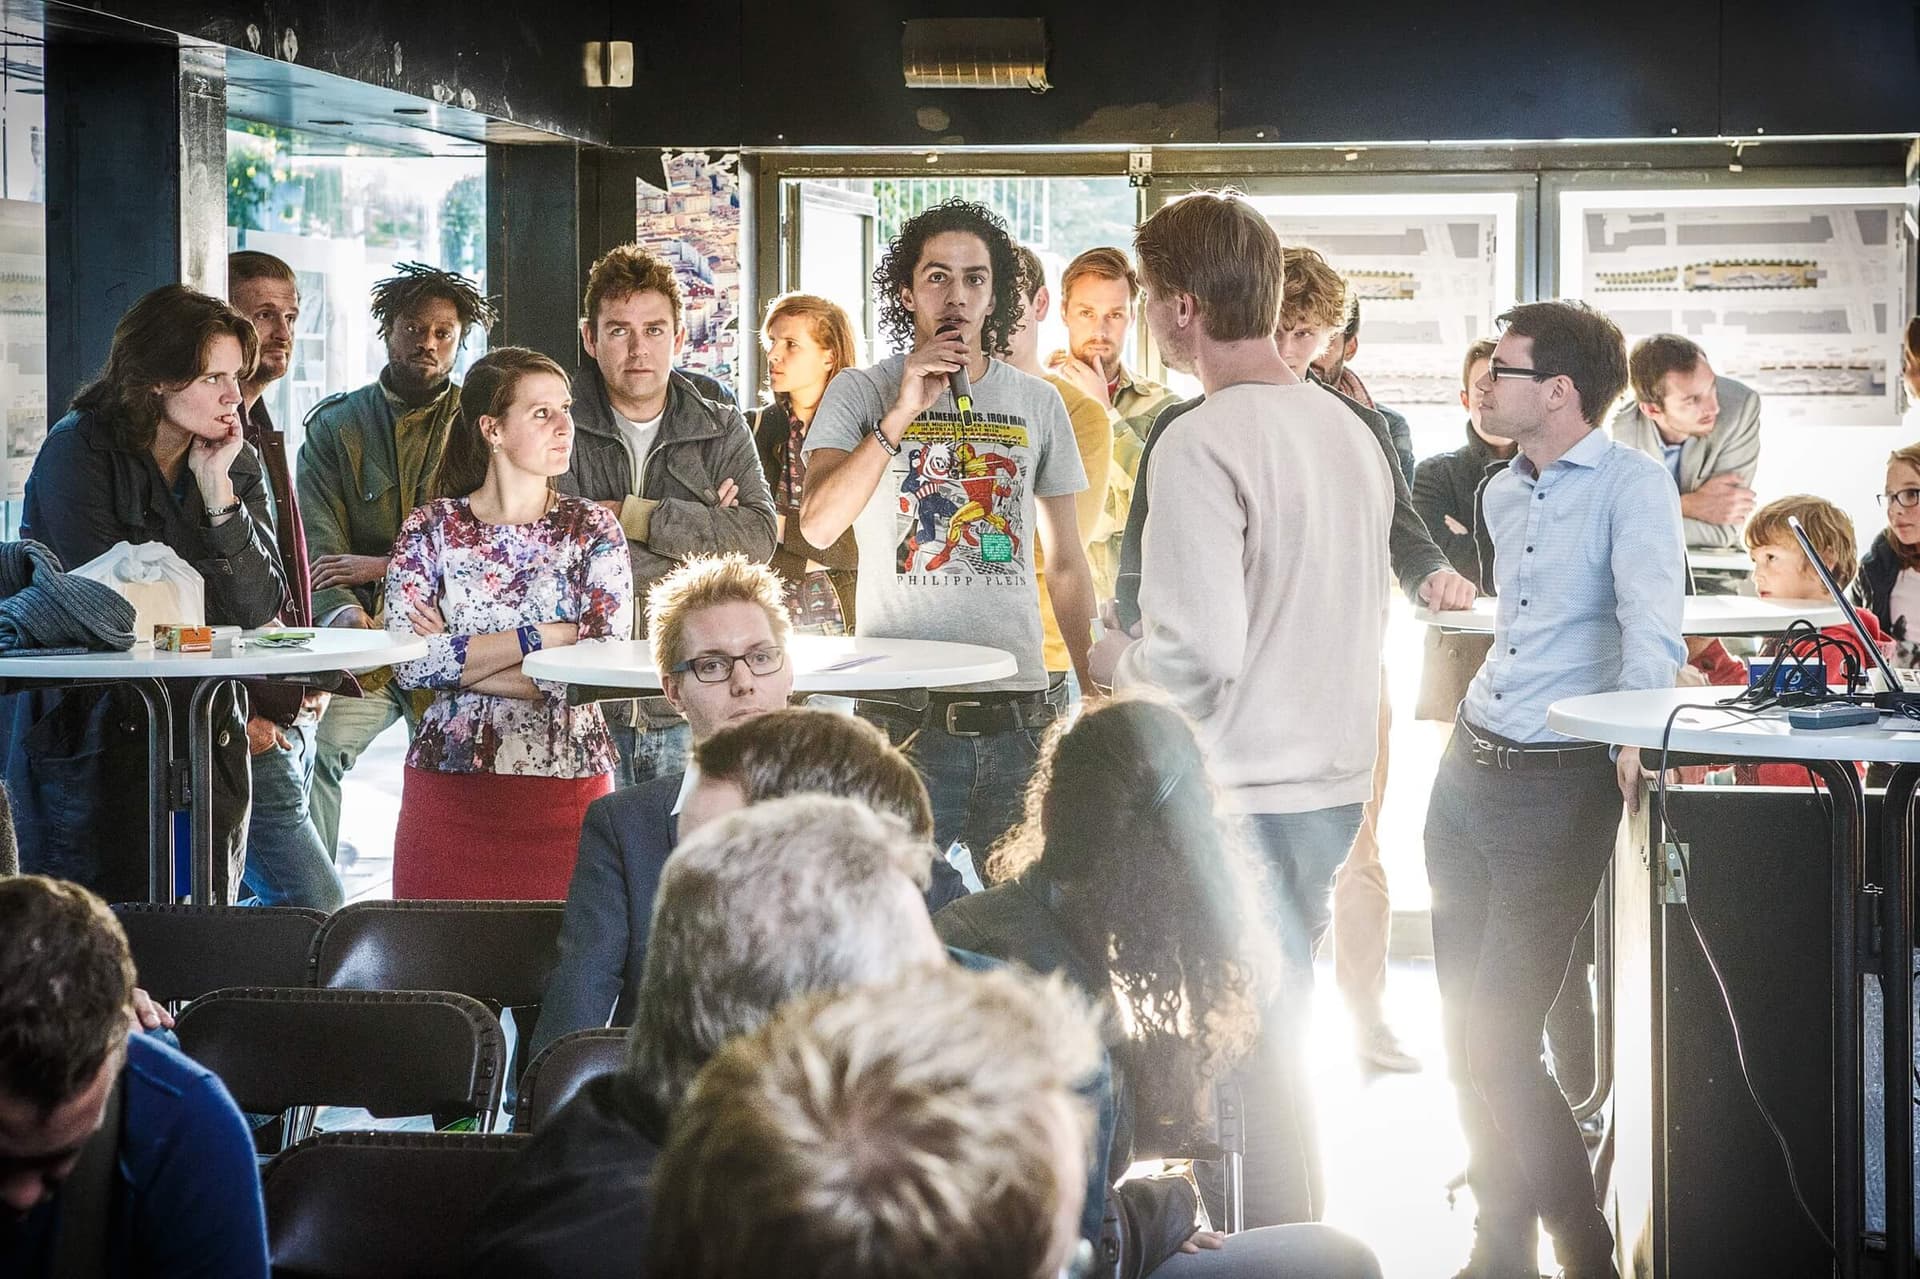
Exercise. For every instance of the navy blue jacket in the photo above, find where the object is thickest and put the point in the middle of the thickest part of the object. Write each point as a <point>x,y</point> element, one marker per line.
<point>624,844</point>
<point>186,1194</point>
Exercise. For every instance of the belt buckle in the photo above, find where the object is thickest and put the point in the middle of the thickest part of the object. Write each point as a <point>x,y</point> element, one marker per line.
<point>957,732</point>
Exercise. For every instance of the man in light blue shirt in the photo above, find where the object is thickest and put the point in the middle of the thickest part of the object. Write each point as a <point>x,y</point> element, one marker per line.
<point>1590,562</point>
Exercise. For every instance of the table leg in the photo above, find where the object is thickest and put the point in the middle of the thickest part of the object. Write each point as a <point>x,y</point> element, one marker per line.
<point>1896,984</point>
<point>1849,1138</point>
<point>160,789</point>
<point>1602,999</point>
<point>200,747</point>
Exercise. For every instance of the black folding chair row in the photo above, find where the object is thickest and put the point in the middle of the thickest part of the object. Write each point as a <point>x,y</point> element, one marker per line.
<point>495,951</point>
<point>368,1204</point>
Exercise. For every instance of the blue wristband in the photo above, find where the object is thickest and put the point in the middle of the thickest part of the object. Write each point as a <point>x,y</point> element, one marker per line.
<point>529,640</point>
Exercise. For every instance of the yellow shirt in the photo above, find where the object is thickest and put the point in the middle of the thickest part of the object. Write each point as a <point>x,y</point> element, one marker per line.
<point>1093,432</point>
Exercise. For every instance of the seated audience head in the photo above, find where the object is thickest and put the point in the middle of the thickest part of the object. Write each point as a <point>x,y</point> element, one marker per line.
<point>1315,308</point>
<point>953,264</point>
<point>1214,271</point>
<point>798,751</point>
<point>66,992</point>
<point>1098,292</point>
<point>1901,497</point>
<point>174,371</point>
<point>796,895</point>
<point>926,1127</point>
<point>1555,373</point>
<point>424,315</point>
<point>807,340</point>
<point>1780,568</point>
<point>1674,386</point>
<point>264,289</point>
<point>1036,300</point>
<point>516,416</point>
<point>1472,369</point>
<point>719,629</point>
<point>633,330</point>
<point>1123,821</point>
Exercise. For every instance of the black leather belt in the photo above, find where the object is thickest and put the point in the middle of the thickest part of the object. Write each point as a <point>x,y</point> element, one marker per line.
<point>1489,751</point>
<point>969,714</point>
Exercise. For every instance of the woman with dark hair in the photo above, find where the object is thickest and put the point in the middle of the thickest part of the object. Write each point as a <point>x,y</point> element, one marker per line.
<point>152,451</point>
<point>807,340</point>
<point>496,566</point>
<point>1127,879</point>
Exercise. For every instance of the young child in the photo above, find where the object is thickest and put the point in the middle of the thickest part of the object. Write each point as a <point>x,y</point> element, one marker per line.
<point>1781,571</point>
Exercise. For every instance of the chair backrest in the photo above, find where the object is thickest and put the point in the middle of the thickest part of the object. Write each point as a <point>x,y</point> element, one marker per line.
<point>182,952</point>
<point>389,1052</point>
<point>563,1068</point>
<point>380,1203</point>
<point>499,952</point>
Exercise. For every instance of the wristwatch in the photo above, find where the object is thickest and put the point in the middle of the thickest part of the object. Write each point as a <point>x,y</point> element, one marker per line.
<point>880,437</point>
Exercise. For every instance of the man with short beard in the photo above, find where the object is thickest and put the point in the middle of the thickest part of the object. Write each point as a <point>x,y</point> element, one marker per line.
<point>287,865</point>
<point>365,465</point>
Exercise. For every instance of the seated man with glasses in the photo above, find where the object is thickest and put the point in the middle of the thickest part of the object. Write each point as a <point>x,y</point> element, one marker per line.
<point>719,631</point>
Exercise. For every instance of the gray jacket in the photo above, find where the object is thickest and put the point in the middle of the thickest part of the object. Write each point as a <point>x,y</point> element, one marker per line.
<point>1733,445</point>
<point>700,444</point>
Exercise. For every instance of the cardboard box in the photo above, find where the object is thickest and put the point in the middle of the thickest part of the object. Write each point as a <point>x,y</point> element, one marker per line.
<point>183,639</point>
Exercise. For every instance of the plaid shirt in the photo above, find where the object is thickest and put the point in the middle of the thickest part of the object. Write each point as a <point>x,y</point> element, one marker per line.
<point>1136,402</point>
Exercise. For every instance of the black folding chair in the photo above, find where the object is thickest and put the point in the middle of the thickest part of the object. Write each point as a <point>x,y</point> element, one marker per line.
<point>563,1068</point>
<point>391,1053</point>
<point>364,1204</point>
<point>497,952</point>
<point>182,952</point>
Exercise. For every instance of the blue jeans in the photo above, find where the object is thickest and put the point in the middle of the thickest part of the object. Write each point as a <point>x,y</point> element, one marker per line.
<point>346,730</point>
<point>977,785</point>
<point>287,865</point>
<point>1301,851</point>
<point>647,753</point>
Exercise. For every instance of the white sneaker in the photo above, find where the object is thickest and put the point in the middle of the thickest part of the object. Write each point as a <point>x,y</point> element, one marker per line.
<point>1380,1048</point>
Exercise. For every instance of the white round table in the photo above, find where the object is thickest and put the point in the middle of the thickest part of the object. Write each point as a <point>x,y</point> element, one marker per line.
<point>1704,728</point>
<point>332,649</point>
<point>821,664</point>
<point>1701,615</point>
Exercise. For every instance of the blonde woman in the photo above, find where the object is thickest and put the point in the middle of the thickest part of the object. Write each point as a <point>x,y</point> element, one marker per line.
<point>807,340</point>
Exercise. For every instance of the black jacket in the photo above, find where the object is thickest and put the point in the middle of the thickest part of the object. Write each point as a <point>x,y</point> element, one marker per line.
<point>1449,484</point>
<point>577,1202</point>
<point>75,759</point>
<point>1145,1221</point>
<point>1409,547</point>
<point>700,444</point>
<point>1879,570</point>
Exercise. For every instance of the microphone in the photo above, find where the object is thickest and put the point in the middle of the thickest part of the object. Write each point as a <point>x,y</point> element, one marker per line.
<point>960,383</point>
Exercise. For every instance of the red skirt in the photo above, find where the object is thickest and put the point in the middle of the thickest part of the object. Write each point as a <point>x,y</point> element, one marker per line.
<point>490,836</point>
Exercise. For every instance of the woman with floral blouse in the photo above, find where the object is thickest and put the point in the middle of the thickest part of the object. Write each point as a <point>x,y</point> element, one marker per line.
<point>497,566</point>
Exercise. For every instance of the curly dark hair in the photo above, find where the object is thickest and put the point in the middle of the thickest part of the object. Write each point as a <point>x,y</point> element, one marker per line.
<point>895,271</point>
<point>398,294</point>
<point>1122,818</point>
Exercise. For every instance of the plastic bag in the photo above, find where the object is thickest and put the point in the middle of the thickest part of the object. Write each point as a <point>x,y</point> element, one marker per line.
<point>164,589</point>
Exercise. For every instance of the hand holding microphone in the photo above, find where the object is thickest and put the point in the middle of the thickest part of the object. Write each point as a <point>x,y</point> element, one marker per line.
<point>957,379</point>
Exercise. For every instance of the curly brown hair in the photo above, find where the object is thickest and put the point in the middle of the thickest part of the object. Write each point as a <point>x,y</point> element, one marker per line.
<point>1123,819</point>
<point>895,272</point>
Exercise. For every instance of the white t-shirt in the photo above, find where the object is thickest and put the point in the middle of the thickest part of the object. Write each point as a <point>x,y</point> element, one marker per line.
<point>639,438</point>
<point>946,541</point>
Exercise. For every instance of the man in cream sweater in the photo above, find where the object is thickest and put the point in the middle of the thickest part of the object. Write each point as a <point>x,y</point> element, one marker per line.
<point>1263,599</point>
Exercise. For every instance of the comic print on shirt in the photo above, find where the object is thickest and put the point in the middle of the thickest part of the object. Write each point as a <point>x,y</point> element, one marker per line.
<point>959,500</point>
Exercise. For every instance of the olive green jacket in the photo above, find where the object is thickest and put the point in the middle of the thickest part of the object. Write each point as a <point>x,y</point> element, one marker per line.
<point>363,468</point>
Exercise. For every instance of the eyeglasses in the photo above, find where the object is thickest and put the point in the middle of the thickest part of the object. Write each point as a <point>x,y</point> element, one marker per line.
<point>1497,371</point>
<point>717,668</point>
<point>1906,498</point>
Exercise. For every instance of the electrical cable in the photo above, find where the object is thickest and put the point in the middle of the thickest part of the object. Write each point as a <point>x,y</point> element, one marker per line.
<point>1744,712</point>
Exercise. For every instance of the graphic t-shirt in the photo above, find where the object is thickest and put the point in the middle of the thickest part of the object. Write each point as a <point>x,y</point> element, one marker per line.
<point>946,541</point>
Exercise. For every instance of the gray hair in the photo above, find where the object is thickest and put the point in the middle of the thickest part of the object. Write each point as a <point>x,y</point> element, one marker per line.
<point>783,898</point>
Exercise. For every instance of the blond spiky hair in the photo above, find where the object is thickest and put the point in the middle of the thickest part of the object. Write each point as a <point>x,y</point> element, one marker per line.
<point>702,582</point>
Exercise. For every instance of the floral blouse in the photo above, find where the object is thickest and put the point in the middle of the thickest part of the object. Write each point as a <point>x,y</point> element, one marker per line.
<point>569,566</point>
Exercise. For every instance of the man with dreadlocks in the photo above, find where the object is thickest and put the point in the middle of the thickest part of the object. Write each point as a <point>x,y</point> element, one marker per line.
<point>365,464</point>
<point>942,495</point>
